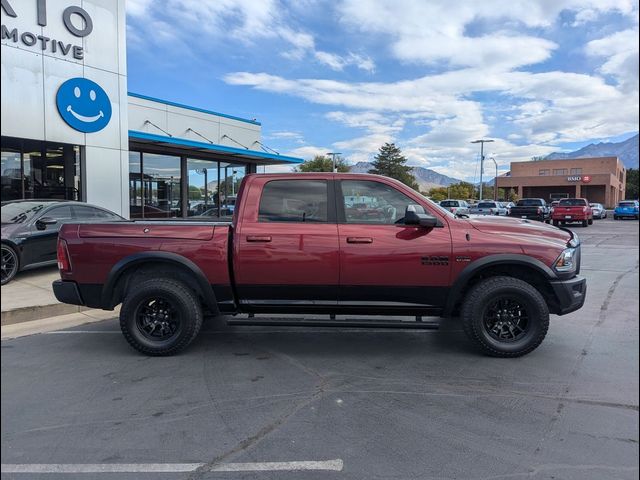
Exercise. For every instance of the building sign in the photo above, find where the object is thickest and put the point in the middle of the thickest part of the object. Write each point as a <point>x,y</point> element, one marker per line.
<point>84,105</point>
<point>579,178</point>
<point>75,19</point>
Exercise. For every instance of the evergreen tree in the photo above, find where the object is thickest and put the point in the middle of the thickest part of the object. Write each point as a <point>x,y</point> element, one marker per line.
<point>632,184</point>
<point>391,163</point>
<point>320,163</point>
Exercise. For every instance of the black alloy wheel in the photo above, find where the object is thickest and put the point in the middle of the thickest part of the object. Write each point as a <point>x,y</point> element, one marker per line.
<point>157,319</point>
<point>160,316</point>
<point>505,316</point>
<point>506,319</point>
<point>10,264</point>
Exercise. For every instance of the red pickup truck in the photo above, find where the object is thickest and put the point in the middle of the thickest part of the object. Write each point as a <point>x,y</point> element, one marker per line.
<point>571,210</point>
<point>325,244</point>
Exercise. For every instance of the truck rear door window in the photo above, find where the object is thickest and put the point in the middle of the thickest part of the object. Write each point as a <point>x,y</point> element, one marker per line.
<point>294,201</point>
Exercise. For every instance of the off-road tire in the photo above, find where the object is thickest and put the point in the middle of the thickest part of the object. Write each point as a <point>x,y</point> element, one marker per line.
<point>556,223</point>
<point>182,300</point>
<point>591,221</point>
<point>585,223</point>
<point>477,301</point>
<point>9,271</point>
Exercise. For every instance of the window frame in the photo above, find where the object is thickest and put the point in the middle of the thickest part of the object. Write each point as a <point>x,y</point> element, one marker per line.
<point>331,201</point>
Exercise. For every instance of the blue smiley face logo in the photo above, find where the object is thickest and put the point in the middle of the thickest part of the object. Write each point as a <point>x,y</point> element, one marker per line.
<point>84,105</point>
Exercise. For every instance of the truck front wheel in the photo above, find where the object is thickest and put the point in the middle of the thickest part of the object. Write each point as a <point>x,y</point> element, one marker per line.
<point>505,316</point>
<point>160,316</point>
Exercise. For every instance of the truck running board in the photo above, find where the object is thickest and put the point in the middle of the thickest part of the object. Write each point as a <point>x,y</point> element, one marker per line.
<point>271,322</point>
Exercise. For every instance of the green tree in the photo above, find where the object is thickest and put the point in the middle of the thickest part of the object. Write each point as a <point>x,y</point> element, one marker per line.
<point>391,163</point>
<point>632,184</point>
<point>320,163</point>
<point>195,193</point>
<point>437,194</point>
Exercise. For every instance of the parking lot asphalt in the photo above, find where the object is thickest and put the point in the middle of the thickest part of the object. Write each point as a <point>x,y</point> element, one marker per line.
<point>365,404</point>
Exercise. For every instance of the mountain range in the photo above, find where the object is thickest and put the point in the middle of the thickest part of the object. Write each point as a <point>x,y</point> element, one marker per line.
<point>425,177</point>
<point>626,151</point>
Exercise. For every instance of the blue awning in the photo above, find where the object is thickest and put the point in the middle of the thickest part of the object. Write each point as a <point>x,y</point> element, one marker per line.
<point>186,146</point>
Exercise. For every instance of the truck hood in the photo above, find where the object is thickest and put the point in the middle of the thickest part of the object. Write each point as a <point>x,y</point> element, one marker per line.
<point>529,230</point>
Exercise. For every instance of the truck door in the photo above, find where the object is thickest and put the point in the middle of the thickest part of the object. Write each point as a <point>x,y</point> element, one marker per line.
<point>382,261</point>
<point>286,246</point>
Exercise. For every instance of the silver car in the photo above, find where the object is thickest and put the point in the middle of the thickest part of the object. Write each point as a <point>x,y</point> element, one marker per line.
<point>488,208</point>
<point>598,210</point>
<point>459,207</point>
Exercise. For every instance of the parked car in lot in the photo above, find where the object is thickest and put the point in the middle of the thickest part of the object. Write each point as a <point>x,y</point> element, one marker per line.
<point>508,206</point>
<point>572,210</point>
<point>460,207</point>
<point>326,243</point>
<point>598,210</point>
<point>531,208</point>
<point>488,208</point>
<point>553,205</point>
<point>626,209</point>
<point>30,230</point>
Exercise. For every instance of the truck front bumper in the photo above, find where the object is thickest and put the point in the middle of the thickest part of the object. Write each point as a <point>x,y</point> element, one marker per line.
<point>67,292</point>
<point>571,294</point>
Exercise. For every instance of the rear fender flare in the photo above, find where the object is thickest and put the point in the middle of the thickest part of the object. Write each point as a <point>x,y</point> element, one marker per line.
<point>167,258</point>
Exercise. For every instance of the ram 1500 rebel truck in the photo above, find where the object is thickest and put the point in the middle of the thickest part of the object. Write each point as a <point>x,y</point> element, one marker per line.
<point>531,208</point>
<point>330,244</point>
<point>570,210</point>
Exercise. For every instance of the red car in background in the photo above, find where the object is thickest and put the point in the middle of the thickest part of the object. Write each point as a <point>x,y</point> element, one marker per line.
<point>570,210</point>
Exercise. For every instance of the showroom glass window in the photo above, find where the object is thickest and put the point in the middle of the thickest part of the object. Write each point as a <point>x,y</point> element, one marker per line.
<point>35,169</point>
<point>161,185</point>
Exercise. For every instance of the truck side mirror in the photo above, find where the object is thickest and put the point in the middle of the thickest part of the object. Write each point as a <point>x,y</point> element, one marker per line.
<point>422,219</point>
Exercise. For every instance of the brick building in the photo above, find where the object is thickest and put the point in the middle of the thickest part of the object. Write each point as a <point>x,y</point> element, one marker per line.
<point>600,180</point>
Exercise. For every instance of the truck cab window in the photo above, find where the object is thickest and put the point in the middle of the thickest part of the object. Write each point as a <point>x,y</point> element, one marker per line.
<point>373,202</point>
<point>294,201</point>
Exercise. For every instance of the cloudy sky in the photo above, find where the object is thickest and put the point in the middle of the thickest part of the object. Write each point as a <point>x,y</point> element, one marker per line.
<point>431,76</point>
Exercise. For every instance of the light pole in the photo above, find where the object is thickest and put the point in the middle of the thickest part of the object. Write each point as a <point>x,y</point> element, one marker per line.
<point>495,181</point>
<point>333,160</point>
<point>481,142</point>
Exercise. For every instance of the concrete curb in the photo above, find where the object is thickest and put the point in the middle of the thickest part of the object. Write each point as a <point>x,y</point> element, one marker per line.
<point>37,312</point>
<point>59,322</point>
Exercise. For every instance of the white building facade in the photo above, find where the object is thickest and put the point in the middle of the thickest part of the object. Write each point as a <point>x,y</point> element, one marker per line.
<point>71,130</point>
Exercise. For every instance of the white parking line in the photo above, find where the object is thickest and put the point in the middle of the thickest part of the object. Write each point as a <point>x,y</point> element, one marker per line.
<point>326,465</point>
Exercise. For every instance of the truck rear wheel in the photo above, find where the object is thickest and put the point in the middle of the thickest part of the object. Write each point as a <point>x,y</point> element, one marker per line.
<point>505,317</point>
<point>160,316</point>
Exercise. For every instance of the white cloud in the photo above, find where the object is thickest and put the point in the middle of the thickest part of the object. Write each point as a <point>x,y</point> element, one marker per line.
<point>621,52</point>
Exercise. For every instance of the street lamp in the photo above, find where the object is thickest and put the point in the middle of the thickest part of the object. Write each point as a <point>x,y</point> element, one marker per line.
<point>333,160</point>
<point>495,181</point>
<point>481,142</point>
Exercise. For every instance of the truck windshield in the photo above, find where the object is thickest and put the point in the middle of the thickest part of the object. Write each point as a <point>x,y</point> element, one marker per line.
<point>573,202</point>
<point>529,202</point>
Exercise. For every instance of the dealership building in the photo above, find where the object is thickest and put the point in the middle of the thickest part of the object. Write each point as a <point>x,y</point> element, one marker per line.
<point>70,129</point>
<point>600,180</point>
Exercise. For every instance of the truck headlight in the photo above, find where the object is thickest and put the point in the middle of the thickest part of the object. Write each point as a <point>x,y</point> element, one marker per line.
<point>566,261</point>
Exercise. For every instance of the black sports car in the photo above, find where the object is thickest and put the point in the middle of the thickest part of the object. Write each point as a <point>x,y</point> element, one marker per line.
<point>30,230</point>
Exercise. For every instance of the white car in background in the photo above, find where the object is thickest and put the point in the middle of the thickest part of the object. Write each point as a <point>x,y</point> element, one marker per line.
<point>460,207</point>
<point>598,210</point>
<point>489,207</point>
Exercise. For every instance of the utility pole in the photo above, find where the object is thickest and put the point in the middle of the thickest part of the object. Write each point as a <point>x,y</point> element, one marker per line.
<point>481,142</point>
<point>333,160</point>
<point>495,181</point>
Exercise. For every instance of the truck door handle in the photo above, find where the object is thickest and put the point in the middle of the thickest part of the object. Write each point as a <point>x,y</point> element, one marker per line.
<point>258,238</point>
<point>359,240</point>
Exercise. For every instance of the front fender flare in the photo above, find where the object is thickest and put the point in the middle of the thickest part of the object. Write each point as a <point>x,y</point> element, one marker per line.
<point>491,261</point>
